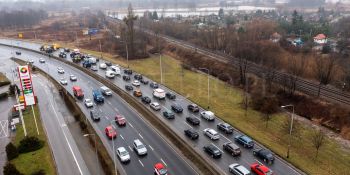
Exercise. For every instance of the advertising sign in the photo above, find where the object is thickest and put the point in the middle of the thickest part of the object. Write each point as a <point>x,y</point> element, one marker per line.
<point>26,85</point>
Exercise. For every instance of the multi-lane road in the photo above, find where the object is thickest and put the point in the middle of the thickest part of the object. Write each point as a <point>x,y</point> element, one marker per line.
<point>177,125</point>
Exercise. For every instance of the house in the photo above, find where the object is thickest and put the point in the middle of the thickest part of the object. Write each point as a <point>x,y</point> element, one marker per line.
<point>275,37</point>
<point>320,39</point>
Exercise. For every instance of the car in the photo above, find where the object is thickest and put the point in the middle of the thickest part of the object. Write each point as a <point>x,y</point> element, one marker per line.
<point>232,148</point>
<point>88,103</point>
<point>244,140</point>
<point>115,69</point>
<point>146,99</point>
<point>193,120</point>
<point>95,115</point>
<point>168,114</point>
<point>139,148</point>
<point>18,53</point>
<point>126,77</point>
<point>110,132</point>
<point>143,81</point>
<point>94,68</point>
<point>137,93</point>
<point>138,77</point>
<point>225,127</point>
<point>103,66</point>
<point>120,120</point>
<point>208,115</point>
<point>78,92</point>
<point>106,91</point>
<point>170,95</point>
<point>73,78</point>
<point>109,74</point>
<point>63,81</point>
<point>129,87</point>
<point>136,83</point>
<point>123,154</point>
<point>60,70</point>
<point>191,133</point>
<point>159,94</point>
<point>62,55</point>
<point>260,169</point>
<point>128,71</point>
<point>176,108</point>
<point>213,151</point>
<point>108,64</point>
<point>41,60</point>
<point>31,61</point>
<point>154,85</point>
<point>264,154</point>
<point>98,97</point>
<point>66,49</point>
<point>211,133</point>
<point>155,106</point>
<point>193,108</point>
<point>159,169</point>
<point>237,169</point>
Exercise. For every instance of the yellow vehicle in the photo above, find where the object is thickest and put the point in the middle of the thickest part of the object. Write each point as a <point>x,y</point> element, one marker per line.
<point>55,46</point>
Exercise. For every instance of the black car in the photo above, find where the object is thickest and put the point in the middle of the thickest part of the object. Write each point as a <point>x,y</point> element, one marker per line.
<point>108,63</point>
<point>225,127</point>
<point>176,108</point>
<point>145,82</point>
<point>264,154</point>
<point>193,108</point>
<point>18,53</point>
<point>213,151</point>
<point>129,87</point>
<point>128,71</point>
<point>146,99</point>
<point>66,49</point>
<point>62,55</point>
<point>232,148</point>
<point>95,116</point>
<point>154,85</point>
<point>138,77</point>
<point>170,95</point>
<point>126,77</point>
<point>193,120</point>
<point>191,133</point>
<point>168,114</point>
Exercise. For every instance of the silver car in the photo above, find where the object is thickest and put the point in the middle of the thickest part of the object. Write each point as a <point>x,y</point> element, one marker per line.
<point>238,169</point>
<point>123,154</point>
<point>155,106</point>
<point>139,147</point>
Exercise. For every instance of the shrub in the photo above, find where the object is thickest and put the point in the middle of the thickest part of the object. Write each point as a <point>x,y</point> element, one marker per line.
<point>40,172</point>
<point>4,83</point>
<point>11,151</point>
<point>10,169</point>
<point>3,95</point>
<point>29,144</point>
<point>83,125</point>
<point>12,89</point>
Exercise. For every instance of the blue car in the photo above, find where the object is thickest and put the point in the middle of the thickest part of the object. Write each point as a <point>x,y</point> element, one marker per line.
<point>244,140</point>
<point>98,97</point>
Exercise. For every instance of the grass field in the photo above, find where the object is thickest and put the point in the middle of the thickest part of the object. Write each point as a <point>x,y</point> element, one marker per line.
<point>226,100</point>
<point>31,162</point>
<point>3,79</point>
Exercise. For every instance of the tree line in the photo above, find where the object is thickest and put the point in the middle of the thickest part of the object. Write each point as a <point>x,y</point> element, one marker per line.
<point>24,18</point>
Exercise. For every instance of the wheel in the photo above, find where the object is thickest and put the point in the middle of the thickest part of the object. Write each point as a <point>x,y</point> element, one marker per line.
<point>265,160</point>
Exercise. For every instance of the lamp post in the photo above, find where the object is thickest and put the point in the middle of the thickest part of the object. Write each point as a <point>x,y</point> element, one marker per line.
<point>115,165</point>
<point>290,129</point>
<point>97,164</point>
<point>208,84</point>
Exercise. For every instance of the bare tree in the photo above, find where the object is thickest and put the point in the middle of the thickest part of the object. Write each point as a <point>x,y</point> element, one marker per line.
<point>129,21</point>
<point>296,68</point>
<point>318,139</point>
<point>268,108</point>
<point>324,70</point>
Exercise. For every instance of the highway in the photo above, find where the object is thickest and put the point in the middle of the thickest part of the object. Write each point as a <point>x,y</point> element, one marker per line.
<point>179,124</point>
<point>158,149</point>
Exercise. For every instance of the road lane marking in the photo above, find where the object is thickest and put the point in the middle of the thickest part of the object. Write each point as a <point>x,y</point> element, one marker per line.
<point>122,136</point>
<point>225,137</point>
<point>106,117</point>
<point>199,118</point>
<point>116,110</point>
<point>217,147</point>
<point>114,127</point>
<point>140,135</point>
<point>130,149</point>
<point>188,125</point>
<point>163,162</point>
<point>141,163</point>
<point>151,147</point>
<point>131,125</point>
<point>109,103</point>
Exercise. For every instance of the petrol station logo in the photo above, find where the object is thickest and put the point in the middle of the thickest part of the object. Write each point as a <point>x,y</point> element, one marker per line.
<point>23,70</point>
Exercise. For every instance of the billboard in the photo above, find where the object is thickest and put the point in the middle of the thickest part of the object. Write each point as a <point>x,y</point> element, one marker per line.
<point>26,85</point>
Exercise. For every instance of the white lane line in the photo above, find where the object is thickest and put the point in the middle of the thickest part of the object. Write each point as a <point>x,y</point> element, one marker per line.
<point>141,163</point>
<point>114,127</point>
<point>188,125</point>
<point>131,125</point>
<point>165,108</point>
<point>122,136</point>
<point>100,109</point>
<point>109,103</point>
<point>106,118</point>
<point>140,135</point>
<point>217,147</point>
<point>151,147</point>
<point>225,137</point>
<point>199,118</point>
<point>116,110</point>
<point>163,162</point>
<point>130,148</point>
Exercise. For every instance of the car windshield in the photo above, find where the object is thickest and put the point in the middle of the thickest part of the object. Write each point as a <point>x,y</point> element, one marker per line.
<point>124,153</point>
<point>140,146</point>
<point>88,101</point>
<point>163,171</point>
<point>269,172</point>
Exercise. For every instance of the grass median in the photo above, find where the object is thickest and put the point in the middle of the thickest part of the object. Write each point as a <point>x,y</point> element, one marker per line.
<point>225,101</point>
<point>32,162</point>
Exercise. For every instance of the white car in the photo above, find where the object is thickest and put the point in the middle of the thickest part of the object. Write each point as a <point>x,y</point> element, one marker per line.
<point>211,133</point>
<point>238,169</point>
<point>31,61</point>
<point>73,78</point>
<point>106,91</point>
<point>155,106</point>
<point>41,60</point>
<point>139,147</point>
<point>60,70</point>
<point>136,83</point>
<point>88,103</point>
<point>123,154</point>
<point>63,81</point>
<point>103,66</point>
<point>208,115</point>
<point>110,74</point>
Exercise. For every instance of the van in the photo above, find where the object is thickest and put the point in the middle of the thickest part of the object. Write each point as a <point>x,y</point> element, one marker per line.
<point>78,92</point>
<point>106,91</point>
<point>110,74</point>
<point>116,70</point>
<point>159,93</point>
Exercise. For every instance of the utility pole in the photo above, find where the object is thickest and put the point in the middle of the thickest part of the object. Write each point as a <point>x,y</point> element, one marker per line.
<point>290,129</point>
<point>206,69</point>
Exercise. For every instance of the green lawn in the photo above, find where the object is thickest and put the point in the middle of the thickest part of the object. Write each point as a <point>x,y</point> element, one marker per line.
<point>31,162</point>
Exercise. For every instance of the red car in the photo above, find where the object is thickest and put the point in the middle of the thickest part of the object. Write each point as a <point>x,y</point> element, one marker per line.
<point>110,132</point>
<point>120,120</point>
<point>159,169</point>
<point>260,169</point>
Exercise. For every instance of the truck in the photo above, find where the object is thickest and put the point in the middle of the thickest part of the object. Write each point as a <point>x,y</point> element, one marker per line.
<point>159,93</point>
<point>78,92</point>
<point>98,97</point>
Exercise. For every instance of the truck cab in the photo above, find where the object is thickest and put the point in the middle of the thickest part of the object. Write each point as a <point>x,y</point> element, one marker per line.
<point>78,92</point>
<point>98,97</point>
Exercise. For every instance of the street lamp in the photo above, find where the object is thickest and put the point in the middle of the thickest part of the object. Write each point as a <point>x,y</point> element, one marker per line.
<point>291,127</point>
<point>115,165</point>
<point>208,84</point>
<point>97,164</point>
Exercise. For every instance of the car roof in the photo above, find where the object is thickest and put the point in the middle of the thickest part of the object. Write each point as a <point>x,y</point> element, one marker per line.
<point>242,169</point>
<point>246,138</point>
<point>155,103</point>
<point>209,112</point>
<point>121,149</point>
<point>264,168</point>
<point>159,166</point>
<point>138,142</point>
<point>109,127</point>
